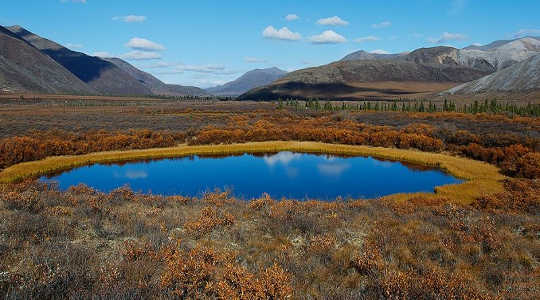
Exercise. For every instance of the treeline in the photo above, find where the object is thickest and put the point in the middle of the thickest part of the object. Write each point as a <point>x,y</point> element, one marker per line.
<point>486,106</point>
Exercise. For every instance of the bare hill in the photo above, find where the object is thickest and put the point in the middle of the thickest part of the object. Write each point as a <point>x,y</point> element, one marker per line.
<point>357,79</point>
<point>103,76</point>
<point>491,58</point>
<point>502,54</point>
<point>520,77</point>
<point>24,68</point>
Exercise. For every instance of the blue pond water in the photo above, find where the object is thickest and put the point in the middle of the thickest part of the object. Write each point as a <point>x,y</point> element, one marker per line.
<point>285,174</point>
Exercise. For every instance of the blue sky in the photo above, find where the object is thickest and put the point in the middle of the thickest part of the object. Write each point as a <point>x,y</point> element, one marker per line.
<point>209,42</point>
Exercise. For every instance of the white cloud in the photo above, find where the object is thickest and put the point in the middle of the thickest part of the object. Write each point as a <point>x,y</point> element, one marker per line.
<point>201,68</point>
<point>180,68</point>
<point>367,39</point>
<point>447,37</point>
<point>170,72</point>
<point>333,21</point>
<point>526,32</point>
<point>379,51</point>
<point>74,46</point>
<point>159,65</point>
<point>282,34</point>
<point>74,1</point>
<point>102,54</point>
<point>206,83</point>
<point>291,17</point>
<point>144,45</point>
<point>249,59</point>
<point>328,37</point>
<point>131,19</point>
<point>384,24</point>
<point>141,55</point>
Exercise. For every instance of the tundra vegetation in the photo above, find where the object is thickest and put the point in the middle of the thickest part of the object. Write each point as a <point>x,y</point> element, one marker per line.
<point>83,243</point>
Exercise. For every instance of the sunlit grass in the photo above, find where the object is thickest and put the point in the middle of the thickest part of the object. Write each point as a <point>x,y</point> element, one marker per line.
<point>480,177</point>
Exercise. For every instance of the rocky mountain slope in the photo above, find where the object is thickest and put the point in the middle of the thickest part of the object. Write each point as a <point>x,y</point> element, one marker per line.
<point>502,54</point>
<point>426,70</point>
<point>492,57</point>
<point>520,77</point>
<point>24,68</point>
<point>358,79</point>
<point>102,76</point>
<point>156,86</point>
<point>248,81</point>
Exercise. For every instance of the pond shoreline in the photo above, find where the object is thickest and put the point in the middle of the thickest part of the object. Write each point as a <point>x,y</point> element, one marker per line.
<point>480,178</point>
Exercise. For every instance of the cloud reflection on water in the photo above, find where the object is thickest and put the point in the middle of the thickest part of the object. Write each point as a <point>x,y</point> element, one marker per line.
<point>132,174</point>
<point>282,157</point>
<point>333,169</point>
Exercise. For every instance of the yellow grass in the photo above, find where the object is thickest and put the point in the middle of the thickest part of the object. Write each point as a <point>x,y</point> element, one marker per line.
<point>481,178</point>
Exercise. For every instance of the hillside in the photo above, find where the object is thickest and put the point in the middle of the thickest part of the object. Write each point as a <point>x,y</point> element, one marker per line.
<point>102,76</point>
<point>502,54</point>
<point>156,86</point>
<point>358,79</point>
<point>24,68</point>
<point>421,72</point>
<point>520,77</point>
<point>490,58</point>
<point>250,80</point>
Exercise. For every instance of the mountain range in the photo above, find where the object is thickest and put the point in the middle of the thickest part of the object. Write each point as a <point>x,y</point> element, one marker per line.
<point>425,71</point>
<point>30,63</point>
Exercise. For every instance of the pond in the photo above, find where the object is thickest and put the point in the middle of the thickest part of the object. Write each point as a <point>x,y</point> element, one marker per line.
<point>284,174</point>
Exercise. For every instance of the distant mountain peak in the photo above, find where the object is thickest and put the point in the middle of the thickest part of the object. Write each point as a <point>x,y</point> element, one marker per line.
<point>250,80</point>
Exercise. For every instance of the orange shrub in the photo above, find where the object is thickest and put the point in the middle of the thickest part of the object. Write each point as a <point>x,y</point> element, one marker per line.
<point>210,219</point>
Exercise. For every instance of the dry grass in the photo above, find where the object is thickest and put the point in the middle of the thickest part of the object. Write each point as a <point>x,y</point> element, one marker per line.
<point>481,178</point>
<point>82,243</point>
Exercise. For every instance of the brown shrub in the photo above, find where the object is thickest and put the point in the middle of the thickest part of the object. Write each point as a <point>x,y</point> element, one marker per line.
<point>40,145</point>
<point>210,219</point>
<point>519,195</point>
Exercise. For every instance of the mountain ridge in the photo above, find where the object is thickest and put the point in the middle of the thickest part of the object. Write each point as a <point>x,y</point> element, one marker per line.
<point>25,68</point>
<point>356,79</point>
<point>362,74</point>
<point>102,76</point>
<point>521,77</point>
